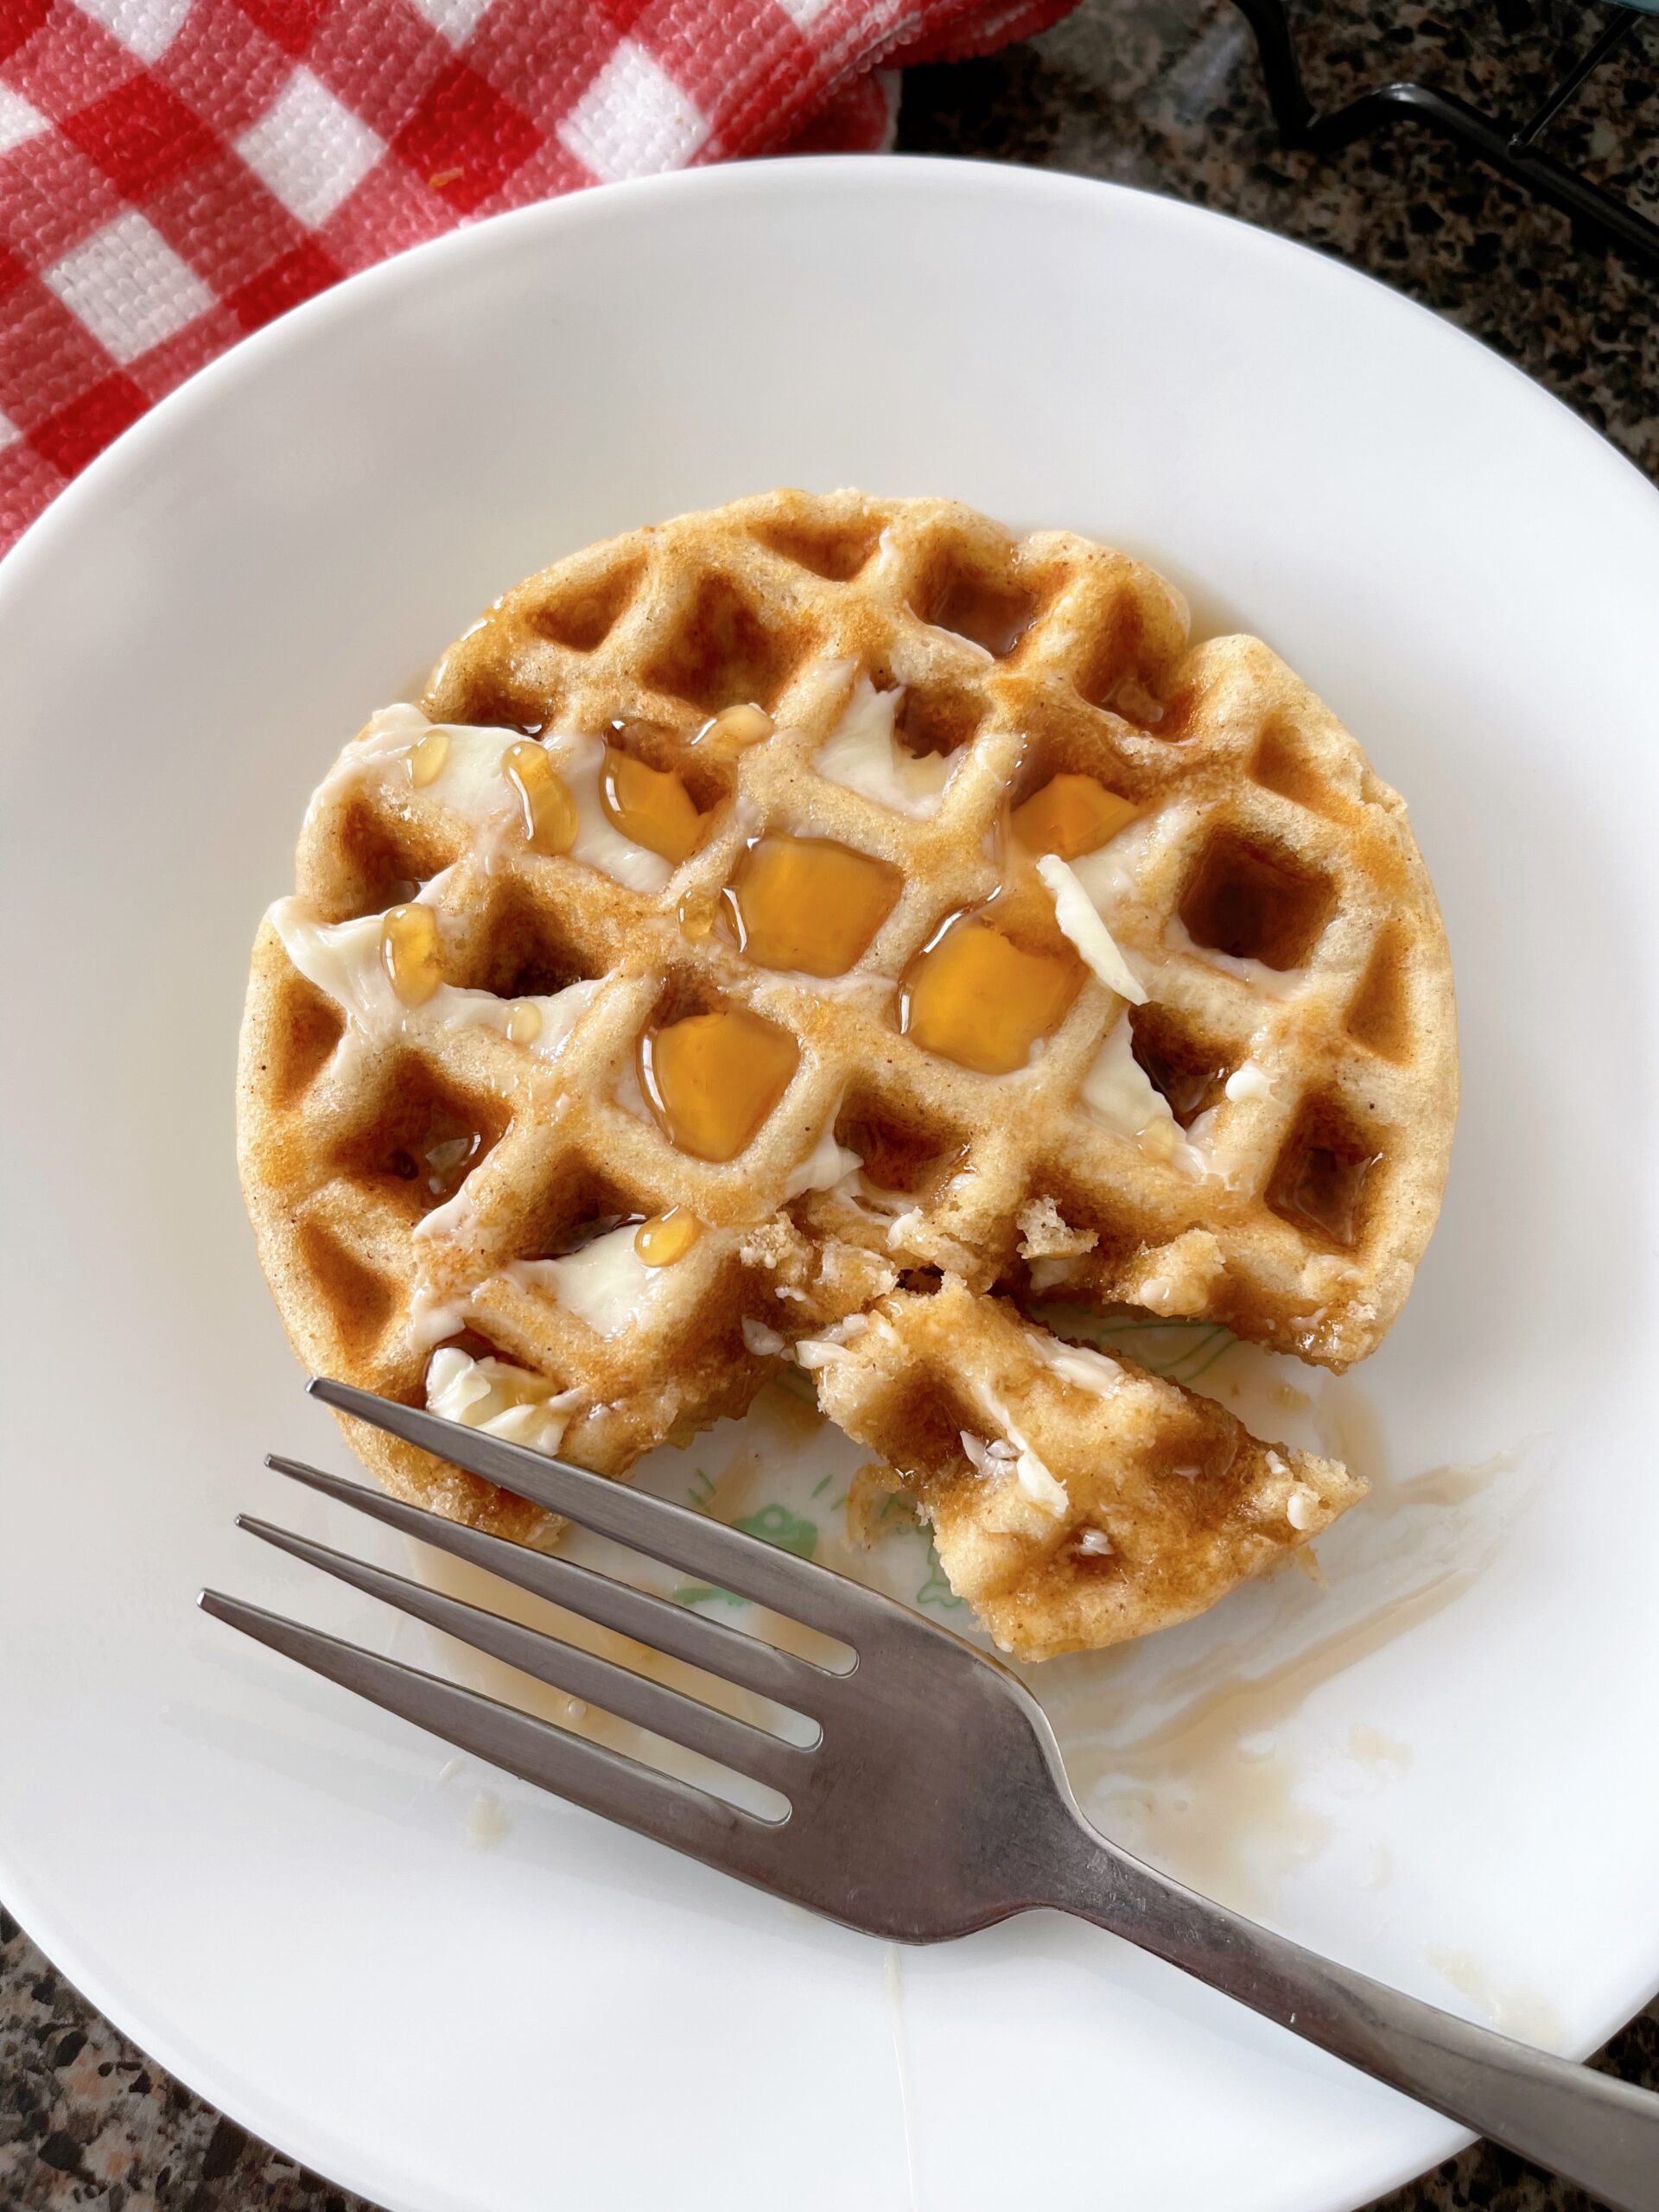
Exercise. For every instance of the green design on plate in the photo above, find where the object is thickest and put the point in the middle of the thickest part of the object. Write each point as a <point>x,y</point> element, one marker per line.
<point>776,1524</point>
<point>705,1594</point>
<point>773,1524</point>
<point>936,1591</point>
<point>1180,1351</point>
<point>896,1510</point>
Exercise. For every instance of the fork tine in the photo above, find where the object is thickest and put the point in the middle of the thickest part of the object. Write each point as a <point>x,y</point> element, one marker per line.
<point>689,1540</point>
<point>618,1690</point>
<point>590,1775</point>
<point>711,1645</point>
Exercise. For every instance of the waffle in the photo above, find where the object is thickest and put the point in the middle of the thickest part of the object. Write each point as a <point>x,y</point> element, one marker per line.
<point>838,726</point>
<point>1075,1500</point>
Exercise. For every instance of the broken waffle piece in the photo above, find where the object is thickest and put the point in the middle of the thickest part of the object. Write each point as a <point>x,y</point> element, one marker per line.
<point>1075,1499</point>
<point>1045,1236</point>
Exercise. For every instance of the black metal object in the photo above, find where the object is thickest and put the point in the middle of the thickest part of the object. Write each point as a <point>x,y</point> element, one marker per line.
<point>1511,149</point>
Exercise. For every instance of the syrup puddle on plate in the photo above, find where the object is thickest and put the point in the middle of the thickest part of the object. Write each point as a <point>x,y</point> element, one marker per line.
<point>1210,1791</point>
<point>1192,1747</point>
<point>1512,2011</point>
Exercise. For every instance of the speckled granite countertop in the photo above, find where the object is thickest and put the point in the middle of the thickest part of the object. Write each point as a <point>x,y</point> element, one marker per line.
<point>1164,94</point>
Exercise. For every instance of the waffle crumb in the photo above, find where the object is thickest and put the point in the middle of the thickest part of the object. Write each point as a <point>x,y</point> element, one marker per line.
<point>1044,1234</point>
<point>877,1503</point>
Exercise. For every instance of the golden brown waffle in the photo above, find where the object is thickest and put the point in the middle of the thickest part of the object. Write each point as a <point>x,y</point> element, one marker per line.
<point>417,1175</point>
<point>1075,1500</point>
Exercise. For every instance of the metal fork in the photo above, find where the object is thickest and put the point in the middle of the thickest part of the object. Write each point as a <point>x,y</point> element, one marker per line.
<point>932,1802</point>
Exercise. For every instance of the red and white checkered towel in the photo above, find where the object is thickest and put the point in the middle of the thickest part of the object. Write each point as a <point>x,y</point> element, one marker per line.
<point>174,173</point>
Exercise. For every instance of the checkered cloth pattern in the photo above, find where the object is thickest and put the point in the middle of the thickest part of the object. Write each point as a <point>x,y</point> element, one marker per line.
<point>174,173</point>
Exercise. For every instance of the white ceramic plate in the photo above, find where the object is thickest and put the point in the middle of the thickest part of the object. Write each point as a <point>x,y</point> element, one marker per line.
<point>1437,1766</point>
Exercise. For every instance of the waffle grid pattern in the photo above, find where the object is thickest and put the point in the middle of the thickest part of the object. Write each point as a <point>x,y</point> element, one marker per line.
<point>1261,831</point>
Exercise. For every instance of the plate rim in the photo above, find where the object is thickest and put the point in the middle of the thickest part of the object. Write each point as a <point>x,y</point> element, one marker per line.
<point>261,354</point>
<point>943,172</point>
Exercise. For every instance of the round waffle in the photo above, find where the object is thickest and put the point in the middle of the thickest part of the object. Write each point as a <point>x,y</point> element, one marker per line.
<point>1044,954</point>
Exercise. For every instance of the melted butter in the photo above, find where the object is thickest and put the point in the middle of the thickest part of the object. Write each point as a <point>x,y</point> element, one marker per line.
<point>599,844</point>
<point>603,1282</point>
<point>550,811</point>
<point>807,904</point>
<point>1071,814</point>
<point>1079,921</point>
<point>666,1237</point>
<point>347,961</point>
<point>540,1025</point>
<point>343,959</point>
<point>503,1399</point>
<point>712,1079</point>
<point>828,1164</point>
<point>650,806</point>
<point>863,753</point>
<point>976,997</point>
<point>1118,1090</point>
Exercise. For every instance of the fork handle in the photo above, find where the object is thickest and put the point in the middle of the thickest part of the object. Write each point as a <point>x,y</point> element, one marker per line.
<point>1601,2133</point>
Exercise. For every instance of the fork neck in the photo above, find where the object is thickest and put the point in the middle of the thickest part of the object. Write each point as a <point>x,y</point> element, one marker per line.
<point>1600,2134</point>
